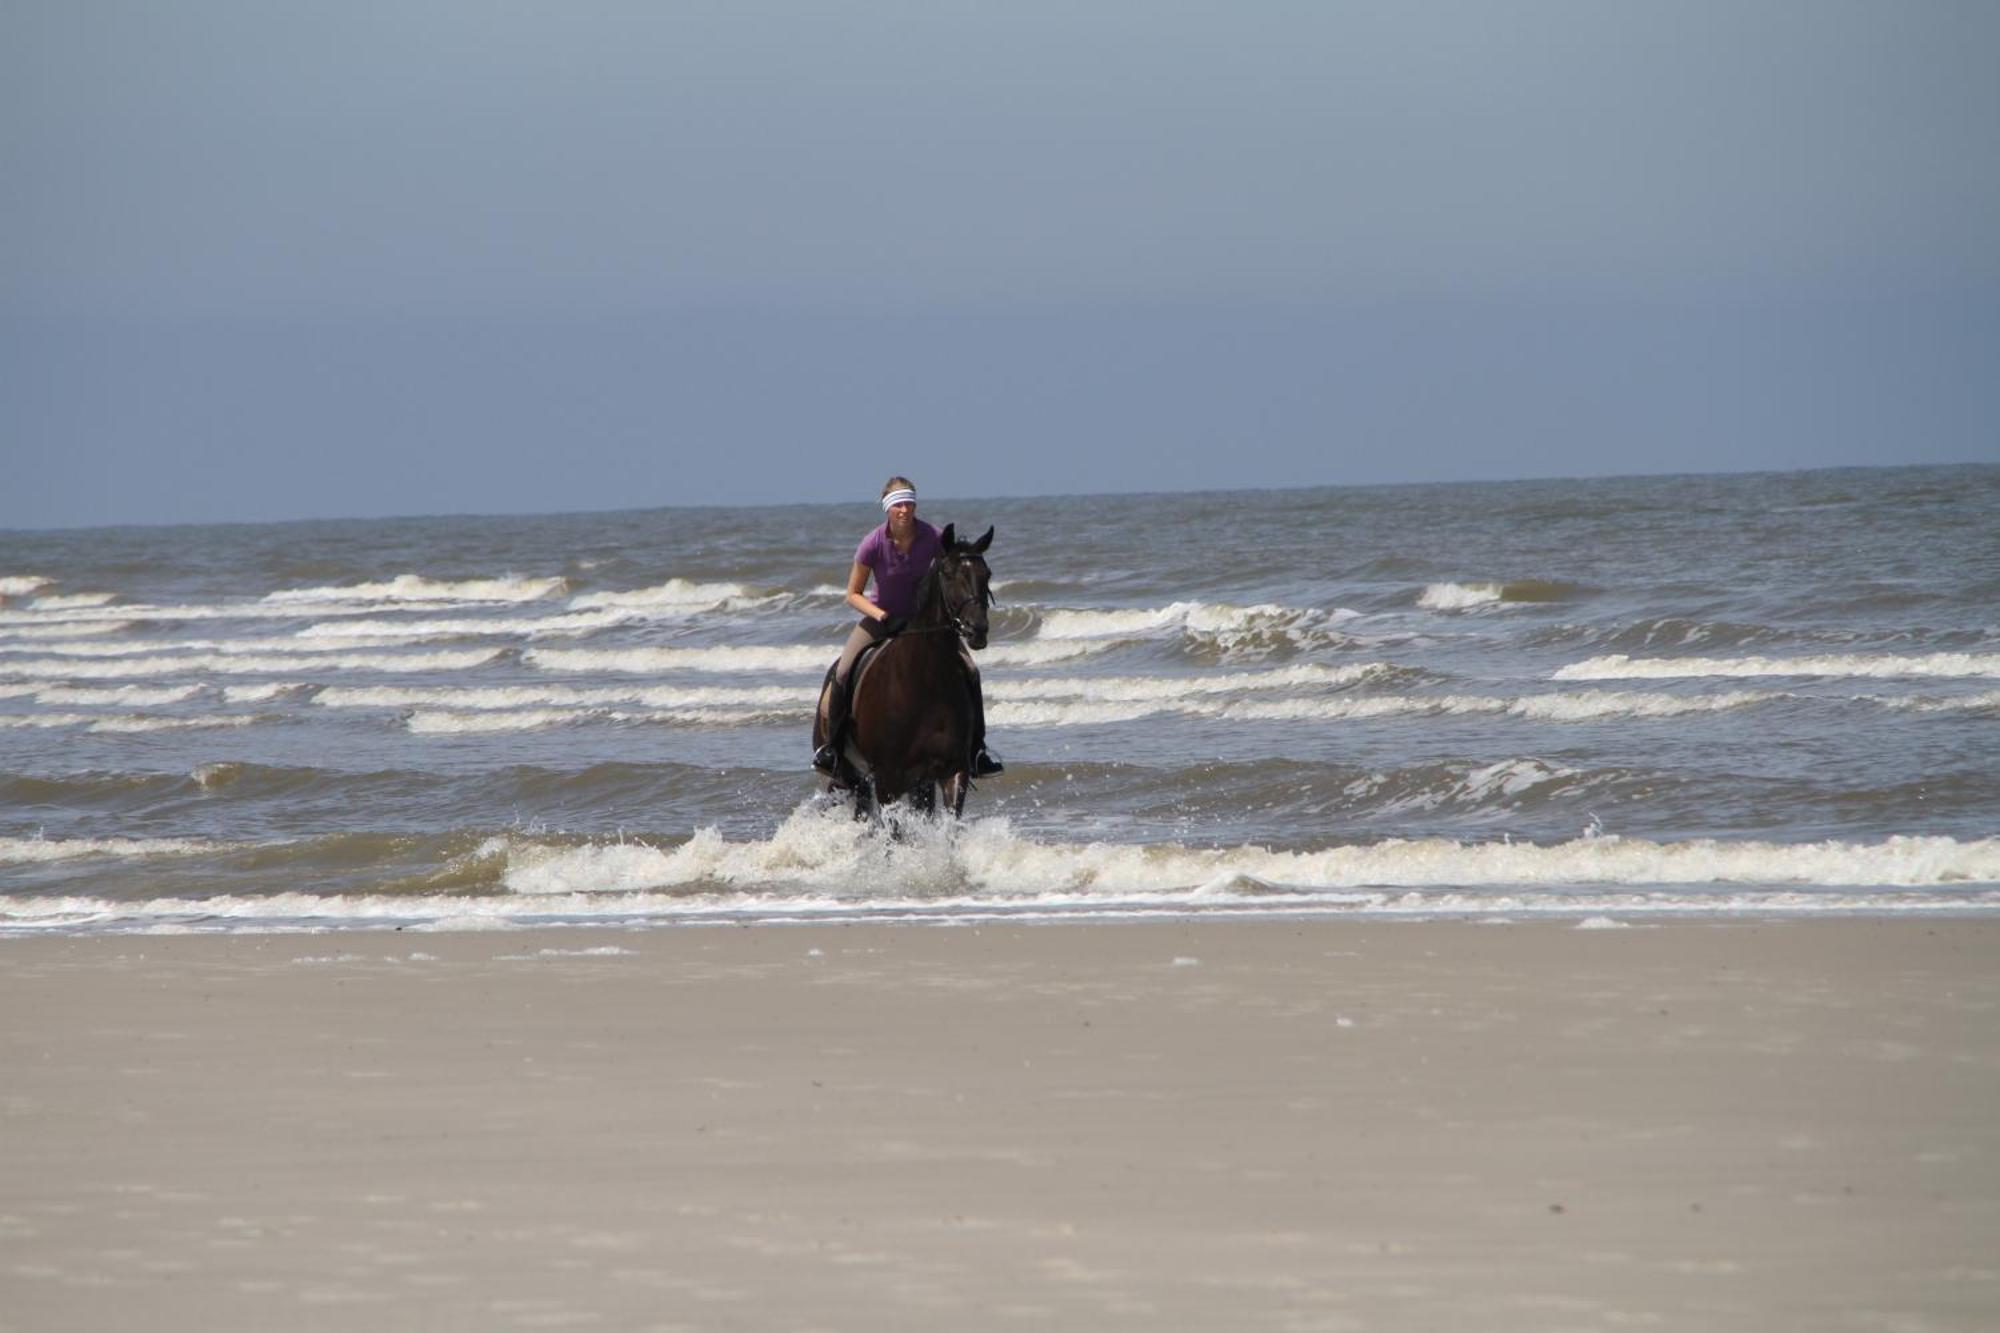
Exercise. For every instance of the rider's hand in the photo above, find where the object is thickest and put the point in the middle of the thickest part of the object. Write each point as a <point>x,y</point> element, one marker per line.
<point>893,625</point>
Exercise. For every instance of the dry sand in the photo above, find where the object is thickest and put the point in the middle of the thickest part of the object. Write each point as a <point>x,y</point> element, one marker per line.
<point>1322,1125</point>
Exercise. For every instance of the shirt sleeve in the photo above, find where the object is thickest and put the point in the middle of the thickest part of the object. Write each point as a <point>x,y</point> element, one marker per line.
<point>869,553</point>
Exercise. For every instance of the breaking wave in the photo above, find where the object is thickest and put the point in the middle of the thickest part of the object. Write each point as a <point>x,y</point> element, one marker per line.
<point>246,664</point>
<point>1618,666</point>
<point>1211,618</point>
<point>133,696</point>
<point>62,631</point>
<point>572,696</point>
<point>414,631</point>
<point>1587,706</point>
<point>819,865</point>
<point>128,722</point>
<point>803,658</point>
<point>27,851</point>
<point>417,588</point>
<point>674,594</point>
<point>73,601</point>
<point>1467,596</point>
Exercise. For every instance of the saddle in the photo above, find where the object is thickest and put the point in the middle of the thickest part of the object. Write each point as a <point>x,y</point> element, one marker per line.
<point>850,756</point>
<point>862,663</point>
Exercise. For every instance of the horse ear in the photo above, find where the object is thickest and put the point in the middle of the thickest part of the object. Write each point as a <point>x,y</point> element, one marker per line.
<point>946,536</point>
<point>979,547</point>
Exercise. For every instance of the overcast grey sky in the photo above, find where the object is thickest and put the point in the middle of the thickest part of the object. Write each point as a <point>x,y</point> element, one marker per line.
<point>272,260</point>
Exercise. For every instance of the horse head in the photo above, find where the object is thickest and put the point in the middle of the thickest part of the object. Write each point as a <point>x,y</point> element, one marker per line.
<point>963,584</point>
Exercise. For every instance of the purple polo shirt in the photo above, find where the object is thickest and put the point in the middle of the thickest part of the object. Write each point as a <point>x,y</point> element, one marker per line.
<point>897,574</point>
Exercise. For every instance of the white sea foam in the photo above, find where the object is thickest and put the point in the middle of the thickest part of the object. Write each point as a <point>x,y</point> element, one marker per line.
<point>72,601</point>
<point>140,611</point>
<point>20,585</point>
<point>786,658</point>
<point>812,854</point>
<point>417,588</point>
<point>1596,705</point>
<point>1035,653</point>
<point>153,647</point>
<point>125,723</point>
<point>1617,666</point>
<point>29,851</point>
<point>822,866</point>
<point>65,630</point>
<point>230,664</point>
<point>673,595</point>
<point>1126,699</point>
<point>1983,702</point>
<point>439,723</point>
<point>1587,706</point>
<point>1135,688</point>
<point>1509,777</point>
<point>798,659</point>
<point>416,631</point>
<point>1479,786</point>
<point>1460,596</point>
<point>1199,617</point>
<point>1072,713</point>
<point>133,696</point>
<point>140,722</point>
<point>664,697</point>
<point>602,951</point>
<point>43,721</point>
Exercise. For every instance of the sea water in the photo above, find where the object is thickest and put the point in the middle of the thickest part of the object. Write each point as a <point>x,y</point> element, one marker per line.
<point>1764,694</point>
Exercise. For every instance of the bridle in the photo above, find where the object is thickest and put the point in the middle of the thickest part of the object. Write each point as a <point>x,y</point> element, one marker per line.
<point>954,612</point>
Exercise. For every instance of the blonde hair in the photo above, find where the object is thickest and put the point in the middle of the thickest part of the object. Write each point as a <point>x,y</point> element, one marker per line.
<point>895,483</point>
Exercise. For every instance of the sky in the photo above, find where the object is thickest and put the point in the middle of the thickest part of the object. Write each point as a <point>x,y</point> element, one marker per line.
<point>369,257</point>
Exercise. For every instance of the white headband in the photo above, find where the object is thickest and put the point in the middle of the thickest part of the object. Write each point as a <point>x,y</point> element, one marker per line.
<point>898,497</point>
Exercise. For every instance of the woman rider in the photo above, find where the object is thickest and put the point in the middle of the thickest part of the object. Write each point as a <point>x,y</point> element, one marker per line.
<point>896,555</point>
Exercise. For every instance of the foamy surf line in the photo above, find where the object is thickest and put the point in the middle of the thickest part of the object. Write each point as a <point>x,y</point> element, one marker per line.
<point>820,867</point>
<point>793,659</point>
<point>417,588</point>
<point>1198,617</point>
<point>248,664</point>
<point>127,723</point>
<point>673,595</point>
<point>1618,666</point>
<point>446,711</point>
<point>575,625</point>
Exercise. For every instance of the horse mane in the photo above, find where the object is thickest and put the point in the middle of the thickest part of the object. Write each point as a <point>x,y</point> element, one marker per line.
<point>927,587</point>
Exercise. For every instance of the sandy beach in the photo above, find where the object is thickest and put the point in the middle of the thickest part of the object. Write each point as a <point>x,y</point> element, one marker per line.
<point>1298,1125</point>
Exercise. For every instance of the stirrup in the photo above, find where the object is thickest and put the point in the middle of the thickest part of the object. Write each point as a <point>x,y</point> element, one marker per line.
<point>985,765</point>
<point>826,759</point>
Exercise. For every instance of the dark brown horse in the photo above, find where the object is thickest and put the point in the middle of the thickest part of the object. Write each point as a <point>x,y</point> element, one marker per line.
<point>910,723</point>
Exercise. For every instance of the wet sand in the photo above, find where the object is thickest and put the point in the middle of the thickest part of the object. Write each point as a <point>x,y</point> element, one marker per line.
<point>1297,1125</point>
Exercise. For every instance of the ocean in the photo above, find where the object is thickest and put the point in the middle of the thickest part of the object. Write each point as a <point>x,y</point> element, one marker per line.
<point>1611,701</point>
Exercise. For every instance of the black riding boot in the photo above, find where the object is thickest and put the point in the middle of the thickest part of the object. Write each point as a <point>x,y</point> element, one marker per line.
<point>826,759</point>
<point>984,765</point>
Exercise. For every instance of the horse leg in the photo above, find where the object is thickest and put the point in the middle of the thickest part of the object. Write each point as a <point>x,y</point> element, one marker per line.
<point>955,788</point>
